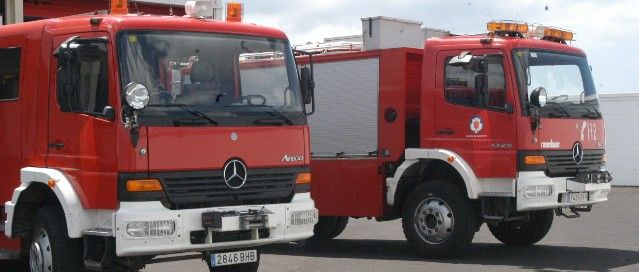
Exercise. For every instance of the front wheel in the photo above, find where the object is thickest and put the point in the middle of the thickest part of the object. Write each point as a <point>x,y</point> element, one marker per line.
<point>50,248</point>
<point>244,267</point>
<point>439,220</point>
<point>524,233</point>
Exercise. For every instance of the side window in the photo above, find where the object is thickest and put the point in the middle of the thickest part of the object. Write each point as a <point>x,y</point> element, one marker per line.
<point>83,78</point>
<point>480,83</point>
<point>9,73</point>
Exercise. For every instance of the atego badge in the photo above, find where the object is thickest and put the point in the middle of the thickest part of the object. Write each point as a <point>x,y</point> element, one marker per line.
<point>235,174</point>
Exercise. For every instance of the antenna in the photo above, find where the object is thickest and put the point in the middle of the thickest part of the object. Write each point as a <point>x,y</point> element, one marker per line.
<point>135,3</point>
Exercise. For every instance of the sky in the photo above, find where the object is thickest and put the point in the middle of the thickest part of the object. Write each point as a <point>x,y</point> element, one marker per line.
<point>605,29</point>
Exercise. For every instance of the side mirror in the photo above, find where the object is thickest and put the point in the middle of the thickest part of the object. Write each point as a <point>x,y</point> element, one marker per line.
<point>307,85</point>
<point>538,97</point>
<point>108,113</point>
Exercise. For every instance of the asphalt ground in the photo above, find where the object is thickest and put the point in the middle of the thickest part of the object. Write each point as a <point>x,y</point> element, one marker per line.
<point>606,239</point>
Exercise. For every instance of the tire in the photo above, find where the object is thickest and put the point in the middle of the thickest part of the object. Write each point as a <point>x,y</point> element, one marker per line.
<point>439,220</point>
<point>245,267</point>
<point>50,248</point>
<point>328,227</point>
<point>524,233</point>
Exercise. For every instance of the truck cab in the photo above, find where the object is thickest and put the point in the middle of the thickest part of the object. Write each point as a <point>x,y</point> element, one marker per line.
<point>134,136</point>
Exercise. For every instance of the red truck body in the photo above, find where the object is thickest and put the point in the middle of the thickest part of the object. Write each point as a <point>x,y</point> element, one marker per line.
<point>416,121</point>
<point>92,155</point>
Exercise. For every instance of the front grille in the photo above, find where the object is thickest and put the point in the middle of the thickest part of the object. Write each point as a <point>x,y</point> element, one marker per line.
<point>561,163</point>
<point>187,190</point>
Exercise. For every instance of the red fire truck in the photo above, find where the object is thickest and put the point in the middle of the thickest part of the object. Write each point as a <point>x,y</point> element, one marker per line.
<point>501,128</point>
<point>124,137</point>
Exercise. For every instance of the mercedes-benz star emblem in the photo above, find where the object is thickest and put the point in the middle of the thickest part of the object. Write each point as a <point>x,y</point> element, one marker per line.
<point>235,174</point>
<point>577,153</point>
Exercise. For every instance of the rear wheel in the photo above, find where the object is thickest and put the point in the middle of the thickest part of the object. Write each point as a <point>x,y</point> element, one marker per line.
<point>524,233</point>
<point>439,220</point>
<point>50,248</point>
<point>328,227</point>
<point>245,267</point>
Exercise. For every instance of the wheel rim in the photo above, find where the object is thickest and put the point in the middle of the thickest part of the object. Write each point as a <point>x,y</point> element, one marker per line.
<point>40,252</point>
<point>434,220</point>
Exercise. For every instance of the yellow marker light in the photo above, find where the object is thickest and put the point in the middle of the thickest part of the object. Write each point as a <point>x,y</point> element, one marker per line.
<point>532,160</point>
<point>234,11</point>
<point>51,183</point>
<point>119,7</point>
<point>143,185</point>
<point>556,33</point>
<point>303,178</point>
<point>495,26</point>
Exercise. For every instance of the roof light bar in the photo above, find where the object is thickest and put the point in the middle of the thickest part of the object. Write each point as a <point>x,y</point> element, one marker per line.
<point>507,26</point>
<point>551,33</point>
<point>120,7</point>
<point>525,30</point>
<point>234,11</point>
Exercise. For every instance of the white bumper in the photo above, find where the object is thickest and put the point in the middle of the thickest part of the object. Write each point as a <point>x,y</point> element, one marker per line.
<point>558,198</point>
<point>280,222</point>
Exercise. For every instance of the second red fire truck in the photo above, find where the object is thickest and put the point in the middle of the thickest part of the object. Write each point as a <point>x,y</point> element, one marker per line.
<point>501,128</point>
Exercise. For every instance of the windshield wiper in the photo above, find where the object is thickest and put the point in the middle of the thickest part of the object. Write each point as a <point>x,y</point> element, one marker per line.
<point>272,111</point>
<point>562,112</point>
<point>190,109</point>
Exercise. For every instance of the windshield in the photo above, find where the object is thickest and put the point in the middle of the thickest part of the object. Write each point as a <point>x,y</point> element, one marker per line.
<point>566,78</point>
<point>197,79</point>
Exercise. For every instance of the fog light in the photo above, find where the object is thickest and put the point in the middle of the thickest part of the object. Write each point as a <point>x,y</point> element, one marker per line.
<point>306,217</point>
<point>160,228</point>
<point>534,191</point>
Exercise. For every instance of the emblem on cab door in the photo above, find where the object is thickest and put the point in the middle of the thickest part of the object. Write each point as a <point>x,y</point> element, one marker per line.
<point>235,174</point>
<point>476,124</point>
<point>577,153</point>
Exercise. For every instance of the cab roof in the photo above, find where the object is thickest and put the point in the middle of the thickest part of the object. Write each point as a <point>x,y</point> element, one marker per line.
<point>473,41</point>
<point>115,23</point>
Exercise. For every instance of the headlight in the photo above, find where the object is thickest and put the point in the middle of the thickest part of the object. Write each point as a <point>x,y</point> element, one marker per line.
<point>137,96</point>
<point>160,228</point>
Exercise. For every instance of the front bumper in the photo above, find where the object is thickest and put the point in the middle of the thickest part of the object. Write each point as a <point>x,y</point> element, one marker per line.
<point>536,191</point>
<point>282,225</point>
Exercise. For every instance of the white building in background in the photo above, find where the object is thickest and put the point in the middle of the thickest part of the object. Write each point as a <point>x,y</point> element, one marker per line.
<point>621,113</point>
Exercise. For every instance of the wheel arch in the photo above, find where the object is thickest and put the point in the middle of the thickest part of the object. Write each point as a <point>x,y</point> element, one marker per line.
<point>40,187</point>
<point>435,163</point>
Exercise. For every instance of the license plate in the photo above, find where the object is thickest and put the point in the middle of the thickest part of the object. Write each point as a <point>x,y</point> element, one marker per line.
<point>577,197</point>
<point>237,257</point>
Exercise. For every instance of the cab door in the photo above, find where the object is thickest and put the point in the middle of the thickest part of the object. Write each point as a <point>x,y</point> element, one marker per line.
<point>474,114</point>
<point>82,126</point>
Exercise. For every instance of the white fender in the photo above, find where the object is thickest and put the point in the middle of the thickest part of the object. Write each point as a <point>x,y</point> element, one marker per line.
<point>413,155</point>
<point>76,216</point>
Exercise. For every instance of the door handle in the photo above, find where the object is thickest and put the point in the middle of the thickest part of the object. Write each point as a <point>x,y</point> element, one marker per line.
<point>445,131</point>
<point>56,145</point>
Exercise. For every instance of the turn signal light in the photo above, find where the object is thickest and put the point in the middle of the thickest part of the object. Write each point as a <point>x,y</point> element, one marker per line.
<point>234,11</point>
<point>531,160</point>
<point>303,178</point>
<point>502,26</point>
<point>143,185</point>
